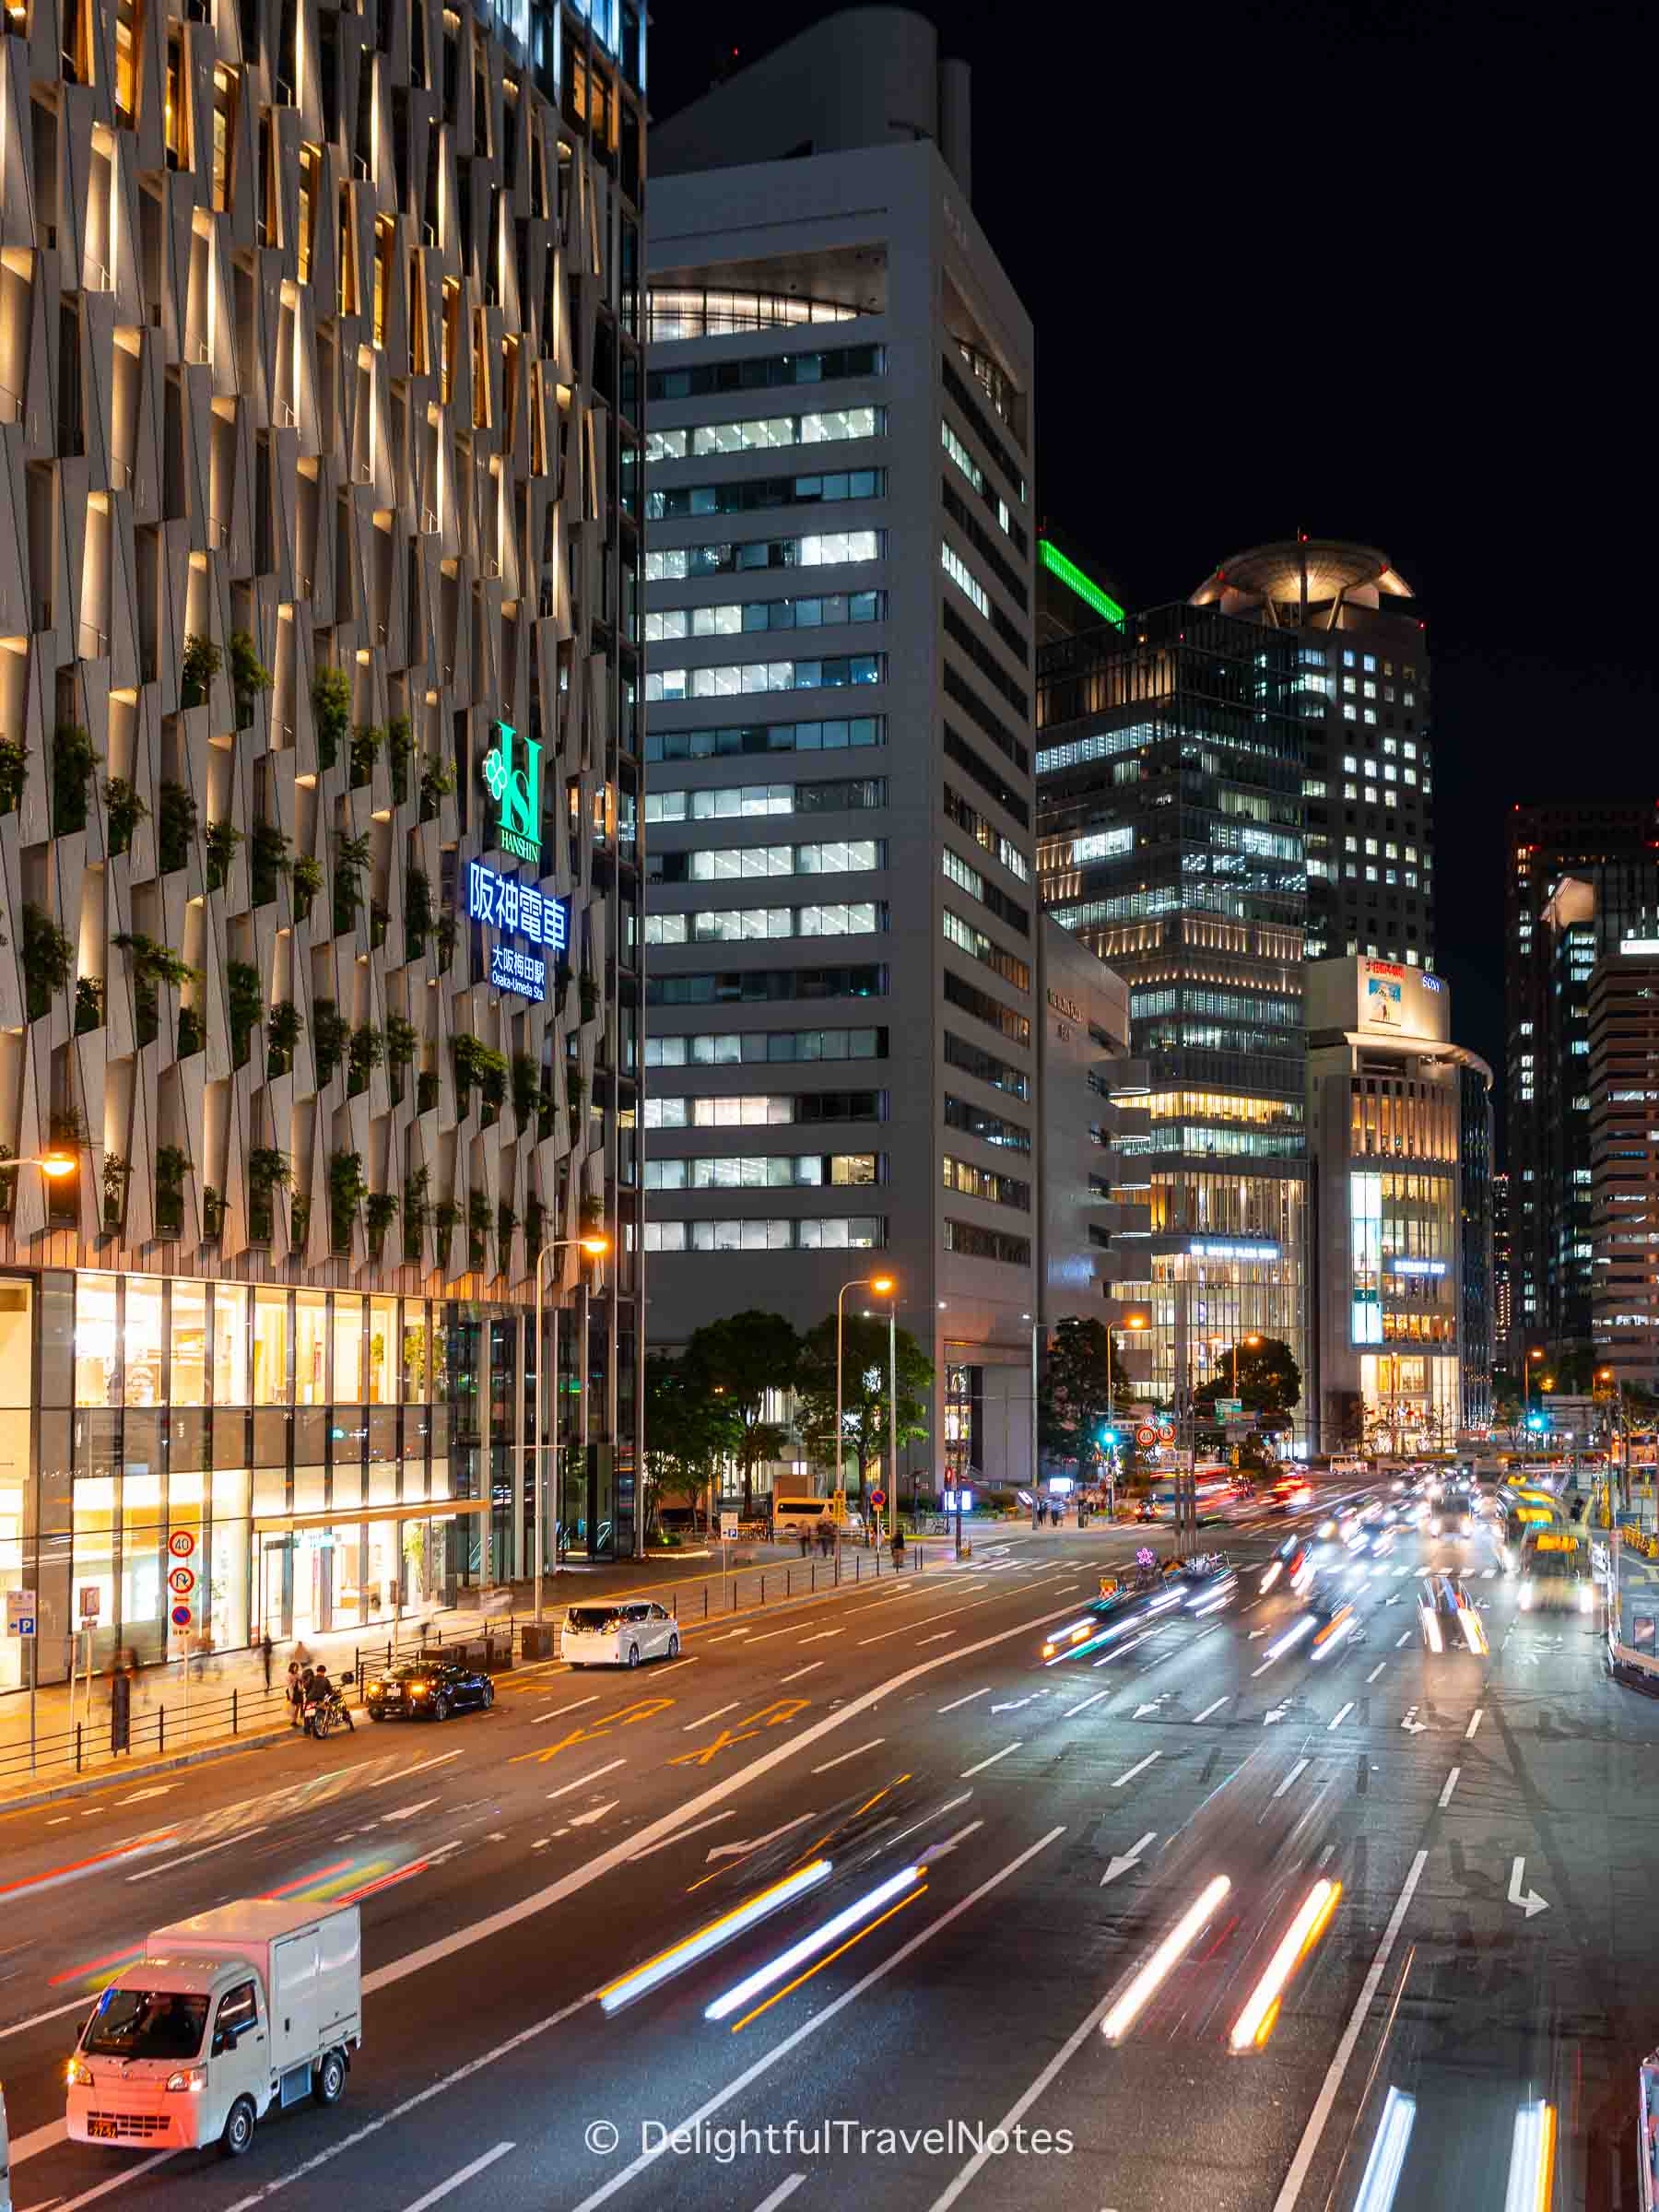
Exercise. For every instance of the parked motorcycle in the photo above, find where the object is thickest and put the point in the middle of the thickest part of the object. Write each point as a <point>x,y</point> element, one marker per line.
<point>327,1712</point>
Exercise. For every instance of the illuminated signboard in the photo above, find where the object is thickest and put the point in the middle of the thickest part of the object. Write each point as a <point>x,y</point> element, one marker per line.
<point>517,792</point>
<point>1404,1266</point>
<point>504,902</point>
<point>1205,1249</point>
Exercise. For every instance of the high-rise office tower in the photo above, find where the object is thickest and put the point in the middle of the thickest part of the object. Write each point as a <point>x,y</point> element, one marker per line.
<point>1362,698</point>
<point>842,915</point>
<point>1609,849</point>
<point>319,727</point>
<point>1623,1024</point>
<point>1502,1268</point>
<point>1170,770</point>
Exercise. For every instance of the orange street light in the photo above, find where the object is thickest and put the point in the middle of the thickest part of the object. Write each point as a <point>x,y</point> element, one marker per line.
<point>595,1247</point>
<point>56,1164</point>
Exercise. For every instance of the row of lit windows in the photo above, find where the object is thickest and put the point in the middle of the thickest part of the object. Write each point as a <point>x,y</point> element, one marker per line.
<point>748,925</point>
<point>764,1109</point>
<point>740,617</point>
<point>760,1172</point>
<point>748,802</point>
<point>963,577</point>
<point>990,1128</point>
<point>854,1233</point>
<point>1221,1106</point>
<point>729,1048</point>
<point>987,835</point>
<point>750,495</point>
<point>967,878</point>
<point>676,564</point>
<point>828,856</point>
<point>731,680</point>
<point>979,946</point>
<point>971,469</point>
<point>989,1183</point>
<point>757,433</point>
<point>751,737</point>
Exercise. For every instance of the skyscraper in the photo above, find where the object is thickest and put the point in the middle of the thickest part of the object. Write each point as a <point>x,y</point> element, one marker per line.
<point>1502,1268</point>
<point>1623,1032</point>
<point>1170,770</point>
<point>1362,698</point>
<point>1553,937</point>
<point>842,915</point>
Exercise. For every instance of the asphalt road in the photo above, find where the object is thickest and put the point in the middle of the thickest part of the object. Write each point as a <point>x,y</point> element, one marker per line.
<point>1038,1833</point>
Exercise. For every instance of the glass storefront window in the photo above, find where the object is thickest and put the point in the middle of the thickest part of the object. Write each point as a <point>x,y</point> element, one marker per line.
<point>416,1355</point>
<point>96,1348</point>
<point>382,1338</point>
<point>347,1349</point>
<point>270,1348</point>
<point>229,1345</point>
<point>96,1503</point>
<point>228,1579</point>
<point>143,1340</point>
<point>188,1385</point>
<point>310,1348</point>
<point>143,1568</point>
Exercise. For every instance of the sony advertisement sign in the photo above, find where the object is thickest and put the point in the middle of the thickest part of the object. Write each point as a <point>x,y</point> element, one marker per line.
<point>1377,998</point>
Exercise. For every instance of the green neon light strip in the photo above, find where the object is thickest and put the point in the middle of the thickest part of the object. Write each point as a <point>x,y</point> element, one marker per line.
<point>1085,588</point>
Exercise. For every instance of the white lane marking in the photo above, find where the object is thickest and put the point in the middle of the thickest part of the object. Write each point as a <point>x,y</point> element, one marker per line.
<point>601,1862</point>
<point>1120,1862</point>
<point>455,2179</point>
<point>1140,1767</point>
<point>1475,1723</point>
<point>1445,1796</point>
<point>1488,1574</point>
<point>116,2180</point>
<point>408,1812</point>
<point>1403,1641</point>
<point>967,1699</point>
<point>536,1719</point>
<point>1260,1670</point>
<point>43,2139</point>
<point>822,1636</point>
<point>37,2019</point>
<point>712,1820</point>
<point>581,1782</point>
<point>938,1639</point>
<point>711,1716</point>
<point>984,1764</point>
<point>1376,1670</point>
<point>403,1774</point>
<point>721,2098</point>
<point>772,1635</point>
<point>811,1668</point>
<point>223,1844</point>
<point>749,1843</point>
<point>1086,1704</point>
<point>1286,2200</point>
<point>847,1755</point>
<point>1299,1768</point>
<point>1209,1709</point>
<point>783,2191</point>
<point>1338,1719</point>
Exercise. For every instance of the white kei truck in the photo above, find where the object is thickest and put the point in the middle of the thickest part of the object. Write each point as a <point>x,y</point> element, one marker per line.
<point>228,2016</point>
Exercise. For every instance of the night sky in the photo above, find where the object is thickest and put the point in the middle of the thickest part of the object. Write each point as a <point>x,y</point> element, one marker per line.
<point>1372,272</point>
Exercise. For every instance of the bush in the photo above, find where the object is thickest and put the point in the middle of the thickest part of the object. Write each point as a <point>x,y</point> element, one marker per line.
<point>400,751</point>
<point>330,1035</point>
<point>171,1167</point>
<point>88,1005</point>
<point>13,777</point>
<point>222,840</point>
<point>366,741</point>
<point>175,828</point>
<point>202,661</point>
<point>72,761</point>
<point>381,1211</point>
<point>308,882</point>
<point>267,860</point>
<point>125,810</point>
<point>247,1007</point>
<point>331,712</point>
<point>347,1192</point>
<point>249,676</point>
<point>417,912</point>
<point>48,960</point>
<point>283,1026</point>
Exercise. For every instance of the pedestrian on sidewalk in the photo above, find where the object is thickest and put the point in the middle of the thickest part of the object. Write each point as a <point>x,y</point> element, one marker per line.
<point>805,1536</point>
<point>296,1695</point>
<point>264,1654</point>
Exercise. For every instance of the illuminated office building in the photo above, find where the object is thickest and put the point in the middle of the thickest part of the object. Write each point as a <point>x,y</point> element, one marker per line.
<point>1399,1136</point>
<point>1170,771</point>
<point>1623,1034</point>
<point>321,395</point>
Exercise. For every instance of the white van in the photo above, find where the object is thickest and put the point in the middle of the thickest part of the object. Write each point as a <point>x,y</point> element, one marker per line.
<point>251,2007</point>
<point>792,1514</point>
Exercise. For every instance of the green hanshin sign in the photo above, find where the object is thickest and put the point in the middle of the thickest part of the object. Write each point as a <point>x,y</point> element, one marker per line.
<point>517,792</point>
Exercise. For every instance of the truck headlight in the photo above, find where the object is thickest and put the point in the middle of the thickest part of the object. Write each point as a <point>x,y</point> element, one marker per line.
<point>188,2077</point>
<point>77,2074</point>
<point>1586,1597</point>
<point>1526,1595</point>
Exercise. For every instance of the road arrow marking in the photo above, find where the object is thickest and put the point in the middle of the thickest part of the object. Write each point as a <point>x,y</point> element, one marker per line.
<point>1139,1710</point>
<point>942,1851</point>
<point>1277,1714</point>
<point>1338,1719</point>
<point>408,1812</point>
<point>1394,1600</point>
<point>1411,1724</point>
<point>1445,1796</point>
<point>1139,1767</point>
<point>157,1789</point>
<point>1122,1864</point>
<point>1531,1902</point>
<point>1254,1634</point>
<point>1012,1704</point>
<point>598,1813</point>
<point>735,1851</point>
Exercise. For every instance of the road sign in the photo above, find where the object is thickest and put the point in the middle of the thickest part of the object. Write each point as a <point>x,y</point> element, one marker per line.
<point>1146,1434</point>
<point>1166,1432</point>
<point>181,1582</point>
<point>91,1605</point>
<point>728,1528</point>
<point>180,1618</point>
<point>20,1612</point>
<point>838,1505</point>
<point>181,1544</point>
<point>878,1499</point>
<point>1230,1409</point>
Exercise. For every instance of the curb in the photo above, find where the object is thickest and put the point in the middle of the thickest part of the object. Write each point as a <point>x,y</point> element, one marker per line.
<point>84,1785</point>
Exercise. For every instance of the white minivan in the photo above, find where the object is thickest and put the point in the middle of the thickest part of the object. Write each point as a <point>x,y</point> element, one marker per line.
<point>619,1635</point>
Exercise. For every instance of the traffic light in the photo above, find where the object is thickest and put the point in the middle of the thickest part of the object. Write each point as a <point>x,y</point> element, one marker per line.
<point>1537,1422</point>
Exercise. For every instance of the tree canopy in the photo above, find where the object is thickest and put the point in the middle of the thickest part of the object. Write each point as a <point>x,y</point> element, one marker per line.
<point>864,1390</point>
<point>1269,1380</point>
<point>688,1430</point>
<point>739,1359</point>
<point>1073,1405</point>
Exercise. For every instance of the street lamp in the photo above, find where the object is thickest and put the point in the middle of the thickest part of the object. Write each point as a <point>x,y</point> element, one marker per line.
<point>1253,1342</point>
<point>883,1286</point>
<point>1526,1374</point>
<point>596,1245</point>
<point>1133,1319</point>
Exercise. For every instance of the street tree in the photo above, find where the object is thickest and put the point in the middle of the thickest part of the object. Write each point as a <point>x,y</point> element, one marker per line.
<point>1269,1382</point>
<point>689,1428</point>
<point>1073,1402</point>
<point>741,1359</point>
<point>863,1391</point>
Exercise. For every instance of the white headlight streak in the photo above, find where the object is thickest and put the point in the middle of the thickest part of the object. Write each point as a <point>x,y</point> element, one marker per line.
<point>1174,1948</point>
<point>820,1939</point>
<point>658,1970</point>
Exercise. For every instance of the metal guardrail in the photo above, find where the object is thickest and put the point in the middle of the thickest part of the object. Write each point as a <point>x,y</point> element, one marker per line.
<point>152,1732</point>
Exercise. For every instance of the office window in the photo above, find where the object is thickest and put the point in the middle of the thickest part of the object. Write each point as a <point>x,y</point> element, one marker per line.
<point>762,433</point>
<point>96,1341</point>
<point>731,680</point>
<point>229,1345</point>
<point>823,548</point>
